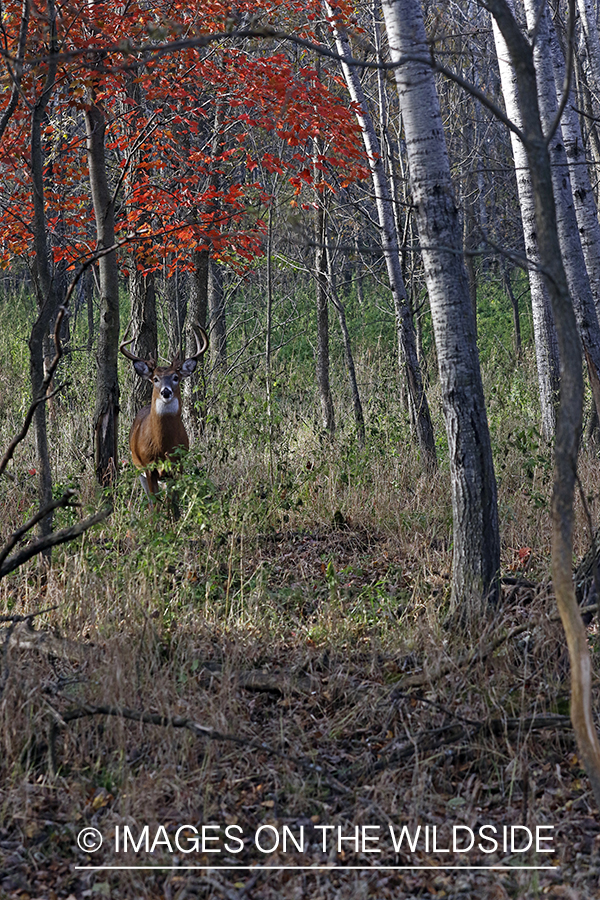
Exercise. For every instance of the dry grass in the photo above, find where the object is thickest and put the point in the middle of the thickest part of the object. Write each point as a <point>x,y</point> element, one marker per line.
<point>290,611</point>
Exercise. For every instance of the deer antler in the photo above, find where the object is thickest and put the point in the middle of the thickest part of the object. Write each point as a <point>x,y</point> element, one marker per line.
<point>125,343</point>
<point>200,348</point>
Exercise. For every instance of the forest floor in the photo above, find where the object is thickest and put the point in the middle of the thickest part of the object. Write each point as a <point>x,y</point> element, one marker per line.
<point>326,708</point>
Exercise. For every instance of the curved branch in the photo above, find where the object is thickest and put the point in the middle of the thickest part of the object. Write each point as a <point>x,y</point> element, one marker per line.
<point>52,540</point>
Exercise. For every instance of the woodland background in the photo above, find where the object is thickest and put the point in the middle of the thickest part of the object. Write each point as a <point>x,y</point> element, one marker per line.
<point>353,620</point>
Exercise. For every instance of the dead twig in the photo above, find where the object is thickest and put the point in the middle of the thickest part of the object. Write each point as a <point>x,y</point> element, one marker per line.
<point>435,739</point>
<point>44,395</point>
<point>420,679</point>
<point>52,540</point>
<point>87,709</point>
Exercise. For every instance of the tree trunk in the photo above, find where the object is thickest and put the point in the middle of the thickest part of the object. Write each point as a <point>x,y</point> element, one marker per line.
<point>327,412</point>
<point>593,136</point>
<point>88,280</point>
<point>390,241</point>
<point>269,335</point>
<point>514,305</point>
<point>142,288</point>
<point>476,558</point>
<point>106,413</point>
<point>589,22</point>
<point>144,327</point>
<point>546,342</point>
<point>566,219</point>
<point>359,418</point>
<point>359,273</point>
<point>197,313</point>
<point>175,292</point>
<point>218,322</point>
<point>47,298</point>
<point>568,425</point>
<point>574,150</point>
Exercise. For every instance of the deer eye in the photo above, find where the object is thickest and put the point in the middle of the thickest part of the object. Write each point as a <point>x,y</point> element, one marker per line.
<point>175,379</point>
<point>156,380</point>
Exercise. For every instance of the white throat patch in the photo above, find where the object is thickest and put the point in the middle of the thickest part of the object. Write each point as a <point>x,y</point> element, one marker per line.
<point>166,407</point>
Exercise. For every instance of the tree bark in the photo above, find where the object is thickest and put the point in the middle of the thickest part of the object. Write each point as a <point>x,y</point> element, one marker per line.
<point>514,303</point>
<point>568,425</point>
<point>106,413</point>
<point>566,219</point>
<point>145,328</point>
<point>589,22</point>
<point>359,418</point>
<point>47,298</point>
<point>390,241</point>
<point>142,287</point>
<point>476,557</point>
<point>218,322</point>
<point>327,411</point>
<point>574,149</point>
<point>546,342</point>
<point>197,313</point>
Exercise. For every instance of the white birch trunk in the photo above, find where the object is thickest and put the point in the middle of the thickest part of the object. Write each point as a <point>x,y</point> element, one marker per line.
<point>568,425</point>
<point>407,349</point>
<point>587,17</point>
<point>583,194</point>
<point>476,559</point>
<point>566,219</point>
<point>544,332</point>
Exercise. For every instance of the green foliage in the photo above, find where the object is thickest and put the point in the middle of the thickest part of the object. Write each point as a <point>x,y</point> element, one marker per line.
<point>263,468</point>
<point>495,328</point>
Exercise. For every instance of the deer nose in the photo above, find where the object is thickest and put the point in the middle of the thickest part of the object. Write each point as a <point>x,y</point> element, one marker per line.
<point>166,393</point>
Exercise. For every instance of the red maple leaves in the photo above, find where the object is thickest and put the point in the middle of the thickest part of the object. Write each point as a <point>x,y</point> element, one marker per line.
<point>198,126</point>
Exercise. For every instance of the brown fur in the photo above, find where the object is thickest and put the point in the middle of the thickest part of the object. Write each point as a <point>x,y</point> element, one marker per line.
<point>155,437</point>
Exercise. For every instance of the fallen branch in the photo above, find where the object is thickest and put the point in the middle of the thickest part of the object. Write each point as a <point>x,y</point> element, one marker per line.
<point>419,679</point>
<point>437,738</point>
<point>52,540</point>
<point>65,502</point>
<point>87,709</point>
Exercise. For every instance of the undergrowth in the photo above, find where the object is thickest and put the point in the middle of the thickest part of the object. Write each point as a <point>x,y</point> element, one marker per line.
<point>296,611</point>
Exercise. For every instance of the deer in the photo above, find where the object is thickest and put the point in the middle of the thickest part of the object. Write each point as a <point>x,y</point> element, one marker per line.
<point>158,430</point>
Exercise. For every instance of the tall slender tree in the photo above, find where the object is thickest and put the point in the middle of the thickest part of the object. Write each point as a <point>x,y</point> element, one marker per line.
<point>476,555</point>
<point>546,341</point>
<point>568,425</point>
<point>391,243</point>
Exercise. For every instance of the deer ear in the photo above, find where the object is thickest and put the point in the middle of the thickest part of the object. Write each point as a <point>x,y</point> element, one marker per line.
<point>188,367</point>
<point>143,369</point>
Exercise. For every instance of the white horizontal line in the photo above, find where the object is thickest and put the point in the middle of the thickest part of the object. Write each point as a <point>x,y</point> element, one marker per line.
<point>316,868</point>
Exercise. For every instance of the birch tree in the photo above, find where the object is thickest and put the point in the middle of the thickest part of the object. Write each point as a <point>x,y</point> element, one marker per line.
<point>568,425</point>
<point>589,23</point>
<point>476,554</point>
<point>566,219</point>
<point>322,297</point>
<point>546,342</point>
<point>390,242</point>
<point>574,146</point>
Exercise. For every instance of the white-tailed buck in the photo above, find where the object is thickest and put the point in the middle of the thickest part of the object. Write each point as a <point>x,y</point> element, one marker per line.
<point>158,429</point>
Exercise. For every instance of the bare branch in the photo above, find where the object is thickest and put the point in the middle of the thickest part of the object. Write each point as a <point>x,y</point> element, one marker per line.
<point>204,731</point>
<point>52,540</point>
<point>8,454</point>
<point>566,90</point>
<point>66,501</point>
<point>18,70</point>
